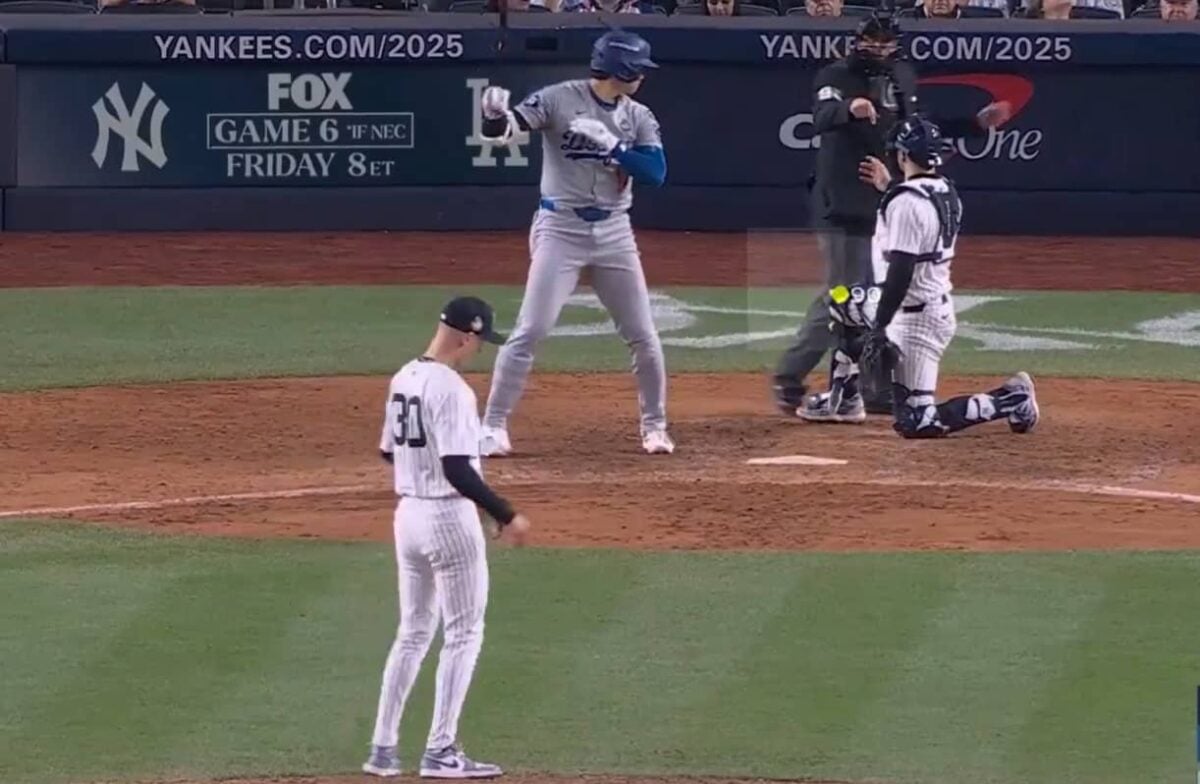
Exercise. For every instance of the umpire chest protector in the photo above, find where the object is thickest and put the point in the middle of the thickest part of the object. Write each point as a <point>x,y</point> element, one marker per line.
<point>839,197</point>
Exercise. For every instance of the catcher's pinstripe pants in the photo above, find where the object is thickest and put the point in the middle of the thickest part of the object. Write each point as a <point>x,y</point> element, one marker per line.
<point>923,338</point>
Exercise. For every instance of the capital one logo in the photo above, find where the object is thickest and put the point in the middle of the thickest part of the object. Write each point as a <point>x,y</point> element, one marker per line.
<point>115,118</point>
<point>308,92</point>
<point>485,156</point>
<point>1013,144</point>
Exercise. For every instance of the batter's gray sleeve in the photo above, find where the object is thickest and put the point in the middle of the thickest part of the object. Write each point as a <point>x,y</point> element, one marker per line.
<point>647,132</point>
<point>537,110</point>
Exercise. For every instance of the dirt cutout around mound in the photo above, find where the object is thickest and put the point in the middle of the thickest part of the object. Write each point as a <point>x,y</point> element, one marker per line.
<point>525,778</point>
<point>1090,477</point>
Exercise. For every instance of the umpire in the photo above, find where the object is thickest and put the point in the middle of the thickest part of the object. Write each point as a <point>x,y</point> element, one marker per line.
<point>857,101</point>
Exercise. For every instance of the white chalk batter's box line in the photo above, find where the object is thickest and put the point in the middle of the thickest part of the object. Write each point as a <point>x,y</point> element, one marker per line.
<point>1077,488</point>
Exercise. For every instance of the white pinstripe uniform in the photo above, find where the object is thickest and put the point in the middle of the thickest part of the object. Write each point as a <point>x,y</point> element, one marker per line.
<point>921,218</point>
<point>440,548</point>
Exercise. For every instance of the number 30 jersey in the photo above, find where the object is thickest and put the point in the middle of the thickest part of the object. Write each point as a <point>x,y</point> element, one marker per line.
<point>431,413</point>
<point>920,216</point>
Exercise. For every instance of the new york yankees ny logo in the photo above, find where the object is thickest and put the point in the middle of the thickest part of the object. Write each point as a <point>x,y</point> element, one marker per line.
<point>126,124</point>
<point>484,158</point>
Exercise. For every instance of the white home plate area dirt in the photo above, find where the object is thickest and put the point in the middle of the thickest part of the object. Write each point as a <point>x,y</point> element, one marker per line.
<point>1115,464</point>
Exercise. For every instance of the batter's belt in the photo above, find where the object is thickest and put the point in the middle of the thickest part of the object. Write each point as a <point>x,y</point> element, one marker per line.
<point>589,214</point>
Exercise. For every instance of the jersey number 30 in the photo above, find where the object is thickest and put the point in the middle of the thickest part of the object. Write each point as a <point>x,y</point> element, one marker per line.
<point>409,427</point>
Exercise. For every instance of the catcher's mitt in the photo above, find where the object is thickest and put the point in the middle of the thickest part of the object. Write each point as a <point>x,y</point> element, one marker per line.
<point>879,355</point>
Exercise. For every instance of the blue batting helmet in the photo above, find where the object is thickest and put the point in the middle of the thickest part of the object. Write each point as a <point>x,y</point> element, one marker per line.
<point>920,140</point>
<point>621,55</point>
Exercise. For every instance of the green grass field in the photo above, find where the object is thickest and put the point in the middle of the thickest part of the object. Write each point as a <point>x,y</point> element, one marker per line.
<point>126,657</point>
<point>79,337</point>
<point>191,657</point>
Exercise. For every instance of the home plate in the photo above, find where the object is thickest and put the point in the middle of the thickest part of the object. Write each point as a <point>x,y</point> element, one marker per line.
<point>786,460</point>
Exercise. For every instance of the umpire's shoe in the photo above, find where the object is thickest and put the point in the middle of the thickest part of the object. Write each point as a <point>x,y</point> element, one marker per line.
<point>789,395</point>
<point>850,410</point>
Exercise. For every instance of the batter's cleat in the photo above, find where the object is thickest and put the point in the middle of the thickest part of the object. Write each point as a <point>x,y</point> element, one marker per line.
<point>382,762</point>
<point>451,763</point>
<point>1024,416</point>
<point>657,442</point>
<point>494,442</point>
<point>788,397</point>
<point>849,411</point>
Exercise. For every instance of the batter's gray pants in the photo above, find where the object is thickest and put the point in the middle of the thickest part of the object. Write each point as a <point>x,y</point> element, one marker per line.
<point>847,261</point>
<point>561,246</point>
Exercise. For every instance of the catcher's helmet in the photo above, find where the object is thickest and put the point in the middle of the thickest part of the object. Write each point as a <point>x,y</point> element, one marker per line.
<point>920,140</point>
<point>621,55</point>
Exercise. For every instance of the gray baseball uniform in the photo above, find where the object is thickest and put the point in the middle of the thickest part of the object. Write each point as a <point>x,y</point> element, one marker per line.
<point>583,222</point>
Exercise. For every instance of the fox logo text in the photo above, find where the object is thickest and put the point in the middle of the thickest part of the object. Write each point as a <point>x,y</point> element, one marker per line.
<point>115,118</point>
<point>308,92</point>
<point>484,158</point>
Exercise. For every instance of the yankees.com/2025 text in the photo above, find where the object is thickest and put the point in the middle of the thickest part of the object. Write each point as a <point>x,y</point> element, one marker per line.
<point>991,48</point>
<point>314,46</point>
<point>925,48</point>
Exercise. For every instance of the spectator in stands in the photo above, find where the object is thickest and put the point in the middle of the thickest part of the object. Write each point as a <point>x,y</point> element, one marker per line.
<point>938,9</point>
<point>722,7</point>
<point>823,7</point>
<point>1049,9</point>
<point>1075,9</point>
<point>1178,10</point>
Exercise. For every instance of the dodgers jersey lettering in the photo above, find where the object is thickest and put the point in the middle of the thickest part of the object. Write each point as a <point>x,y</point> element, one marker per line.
<point>575,171</point>
<point>922,217</point>
<point>431,413</point>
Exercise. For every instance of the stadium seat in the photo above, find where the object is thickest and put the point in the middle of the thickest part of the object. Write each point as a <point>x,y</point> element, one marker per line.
<point>45,7</point>
<point>149,9</point>
<point>690,9</point>
<point>1085,12</point>
<point>849,11</point>
<point>467,7</point>
<point>980,12</point>
<point>750,9</point>
<point>1147,11</point>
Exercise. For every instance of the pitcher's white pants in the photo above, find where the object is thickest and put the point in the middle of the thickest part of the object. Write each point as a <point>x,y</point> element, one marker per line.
<point>442,562</point>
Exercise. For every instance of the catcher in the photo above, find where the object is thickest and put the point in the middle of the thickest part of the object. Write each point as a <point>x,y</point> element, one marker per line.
<point>903,327</point>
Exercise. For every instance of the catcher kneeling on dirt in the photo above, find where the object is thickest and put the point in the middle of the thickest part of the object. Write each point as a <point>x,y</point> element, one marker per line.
<point>904,326</point>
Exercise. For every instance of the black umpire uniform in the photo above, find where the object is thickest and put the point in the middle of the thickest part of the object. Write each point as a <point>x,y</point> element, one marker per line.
<point>844,206</point>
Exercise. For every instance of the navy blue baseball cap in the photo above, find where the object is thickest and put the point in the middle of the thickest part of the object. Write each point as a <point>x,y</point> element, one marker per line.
<point>473,316</point>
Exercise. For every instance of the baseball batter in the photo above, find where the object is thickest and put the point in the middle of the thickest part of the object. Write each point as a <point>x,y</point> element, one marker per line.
<point>596,142</point>
<point>431,436</point>
<point>913,318</point>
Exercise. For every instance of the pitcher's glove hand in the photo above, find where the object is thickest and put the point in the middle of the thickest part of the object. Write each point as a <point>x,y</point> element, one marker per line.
<point>879,352</point>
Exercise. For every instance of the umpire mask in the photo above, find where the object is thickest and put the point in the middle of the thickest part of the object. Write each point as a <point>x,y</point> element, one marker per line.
<point>876,45</point>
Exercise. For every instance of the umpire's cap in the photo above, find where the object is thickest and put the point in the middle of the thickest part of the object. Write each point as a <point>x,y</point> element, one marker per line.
<point>472,316</point>
<point>621,55</point>
<point>920,140</point>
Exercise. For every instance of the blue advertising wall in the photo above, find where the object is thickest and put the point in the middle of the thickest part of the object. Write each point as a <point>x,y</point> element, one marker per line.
<point>344,122</point>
